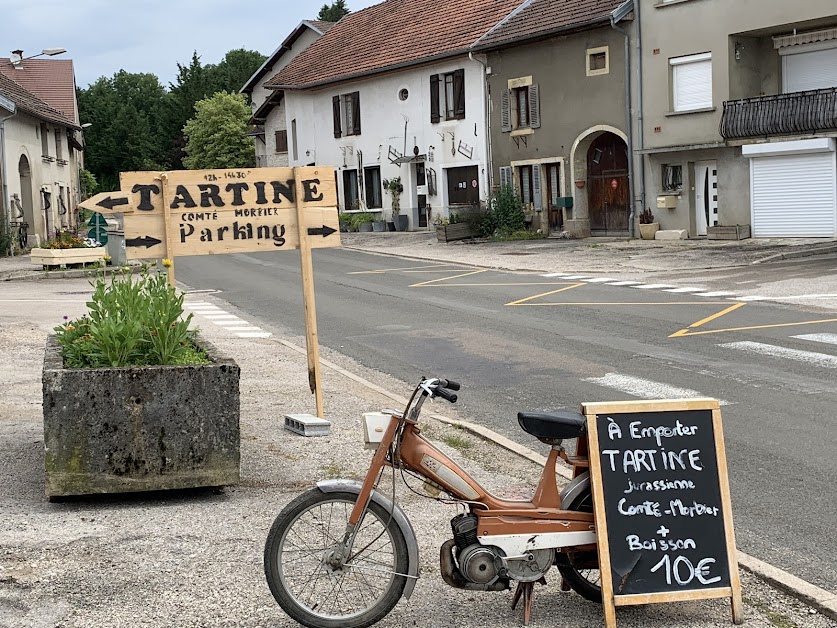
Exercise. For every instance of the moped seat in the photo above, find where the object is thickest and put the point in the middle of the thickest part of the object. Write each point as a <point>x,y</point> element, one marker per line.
<point>552,425</point>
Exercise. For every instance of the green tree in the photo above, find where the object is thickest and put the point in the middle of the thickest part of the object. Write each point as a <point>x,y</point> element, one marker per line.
<point>215,137</point>
<point>234,69</point>
<point>334,11</point>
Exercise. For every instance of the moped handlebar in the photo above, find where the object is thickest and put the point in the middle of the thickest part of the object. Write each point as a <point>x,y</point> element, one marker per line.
<point>449,384</point>
<point>446,394</point>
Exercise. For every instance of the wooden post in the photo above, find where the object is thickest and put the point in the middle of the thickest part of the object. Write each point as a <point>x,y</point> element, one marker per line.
<point>167,227</point>
<point>311,339</point>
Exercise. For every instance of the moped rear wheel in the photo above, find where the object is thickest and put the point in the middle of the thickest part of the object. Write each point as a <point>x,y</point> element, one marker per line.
<point>581,569</point>
<point>308,584</point>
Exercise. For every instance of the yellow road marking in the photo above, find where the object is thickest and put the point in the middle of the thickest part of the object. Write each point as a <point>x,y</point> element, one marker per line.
<point>578,303</point>
<point>511,283</point>
<point>686,332</point>
<point>387,270</point>
<point>432,281</point>
<point>545,294</point>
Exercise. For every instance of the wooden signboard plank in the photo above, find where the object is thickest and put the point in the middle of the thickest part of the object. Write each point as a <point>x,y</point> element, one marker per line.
<point>662,504</point>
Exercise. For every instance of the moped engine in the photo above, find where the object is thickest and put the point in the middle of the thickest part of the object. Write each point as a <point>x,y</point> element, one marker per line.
<point>477,563</point>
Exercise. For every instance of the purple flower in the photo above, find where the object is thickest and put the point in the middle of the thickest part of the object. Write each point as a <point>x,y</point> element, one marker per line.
<point>66,318</point>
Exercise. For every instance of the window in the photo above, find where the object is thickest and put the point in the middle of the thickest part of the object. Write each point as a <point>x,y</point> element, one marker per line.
<point>672,177</point>
<point>350,192</point>
<point>505,176</point>
<point>447,96</point>
<point>372,187</point>
<point>691,82</point>
<point>520,106</point>
<point>59,149</point>
<point>293,138</point>
<point>598,61</point>
<point>282,141</point>
<point>346,110</point>
<point>44,140</point>
<point>527,193</point>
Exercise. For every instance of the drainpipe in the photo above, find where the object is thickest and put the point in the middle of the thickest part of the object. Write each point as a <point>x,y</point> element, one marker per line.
<point>628,101</point>
<point>639,109</point>
<point>5,203</point>
<point>487,99</point>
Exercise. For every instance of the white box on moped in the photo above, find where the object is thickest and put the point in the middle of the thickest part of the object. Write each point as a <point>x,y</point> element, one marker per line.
<point>374,426</point>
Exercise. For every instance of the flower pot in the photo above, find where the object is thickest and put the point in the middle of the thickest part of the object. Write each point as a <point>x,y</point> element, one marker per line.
<point>451,233</point>
<point>344,227</point>
<point>144,428</point>
<point>401,222</point>
<point>580,184</point>
<point>379,226</point>
<point>390,226</point>
<point>365,227</point>
<point>647,231</point>
<point>62,257</point>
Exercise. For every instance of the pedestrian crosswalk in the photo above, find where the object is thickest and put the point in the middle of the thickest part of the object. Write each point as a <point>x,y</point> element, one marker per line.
<point>222,318</point>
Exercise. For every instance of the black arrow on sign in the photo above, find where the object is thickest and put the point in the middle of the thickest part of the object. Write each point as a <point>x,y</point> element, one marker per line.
<point>110,203</point>
<point>146,241</point>
<point>323,231</point>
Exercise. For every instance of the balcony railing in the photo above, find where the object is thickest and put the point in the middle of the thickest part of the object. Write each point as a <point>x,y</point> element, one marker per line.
<point>786,114</point>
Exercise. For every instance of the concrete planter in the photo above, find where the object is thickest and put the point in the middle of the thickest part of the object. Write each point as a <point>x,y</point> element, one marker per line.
<point>458,231</point>
<point>62,257</point>
<point>648,231</point>
<point>117,430</point>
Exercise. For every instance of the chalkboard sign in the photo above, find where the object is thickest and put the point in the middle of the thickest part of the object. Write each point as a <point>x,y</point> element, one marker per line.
<point>663,516</point>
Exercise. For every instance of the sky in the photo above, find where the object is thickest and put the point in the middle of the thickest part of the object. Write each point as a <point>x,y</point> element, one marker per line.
<point>105,36</point>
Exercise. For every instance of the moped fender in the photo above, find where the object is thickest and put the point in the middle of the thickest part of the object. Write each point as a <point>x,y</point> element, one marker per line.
<point>351,486</point>
<point>574,489</point>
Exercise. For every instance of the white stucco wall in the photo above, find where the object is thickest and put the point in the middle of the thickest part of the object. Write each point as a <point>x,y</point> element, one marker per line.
<point>383,117</point>
<point>22,138</point>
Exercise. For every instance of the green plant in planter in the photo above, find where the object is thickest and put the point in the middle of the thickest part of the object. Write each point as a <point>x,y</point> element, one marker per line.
<point>131,323</point>
<point>395,188</point>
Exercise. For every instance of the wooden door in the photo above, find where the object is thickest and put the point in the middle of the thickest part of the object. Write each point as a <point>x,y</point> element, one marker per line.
<point>608,190</point>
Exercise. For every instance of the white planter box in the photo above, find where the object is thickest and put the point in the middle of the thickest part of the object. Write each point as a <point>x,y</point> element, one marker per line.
<point>62,257</point>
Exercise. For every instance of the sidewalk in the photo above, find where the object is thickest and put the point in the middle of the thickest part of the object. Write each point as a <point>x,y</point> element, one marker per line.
<point>195,558</point>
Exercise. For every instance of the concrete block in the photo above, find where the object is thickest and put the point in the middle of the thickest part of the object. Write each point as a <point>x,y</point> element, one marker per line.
<point>579,228</point>
<point>671,234</point>
<point>307,425</point>
<point>116,430</point>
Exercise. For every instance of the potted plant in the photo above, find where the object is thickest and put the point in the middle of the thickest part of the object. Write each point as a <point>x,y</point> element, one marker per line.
<point>364,221</point>
<point>647,227</point>
<point>67,248</point>
<point>135,400</point>
<point>395,188</point>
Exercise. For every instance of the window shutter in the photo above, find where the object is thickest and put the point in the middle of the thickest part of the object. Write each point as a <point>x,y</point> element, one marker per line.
<point>505,111</point>
<point>536,186</point>
<point>534,106</point>
<point>692,83</point>
<point>459,94</point>
<point>505,176</point>
<point>335,106</point>
<point>282,141</point>
<point>355,113</point>
<point>434,99</point>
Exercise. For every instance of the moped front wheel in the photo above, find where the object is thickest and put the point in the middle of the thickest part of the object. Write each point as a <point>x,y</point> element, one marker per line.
<point>581,569</point>
<point>315,589</point>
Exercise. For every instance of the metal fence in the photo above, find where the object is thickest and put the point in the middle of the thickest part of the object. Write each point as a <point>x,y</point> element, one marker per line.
<point>797,113</point>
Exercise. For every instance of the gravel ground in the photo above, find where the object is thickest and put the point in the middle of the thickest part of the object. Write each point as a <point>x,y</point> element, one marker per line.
<point>194,558</point>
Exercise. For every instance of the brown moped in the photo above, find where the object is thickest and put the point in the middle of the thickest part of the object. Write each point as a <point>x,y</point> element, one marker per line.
<point>342,554</point>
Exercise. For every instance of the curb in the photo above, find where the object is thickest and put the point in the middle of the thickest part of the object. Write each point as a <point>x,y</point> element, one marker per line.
<point>824,250</point>
<point>76,273</point>
<point>824,602</point>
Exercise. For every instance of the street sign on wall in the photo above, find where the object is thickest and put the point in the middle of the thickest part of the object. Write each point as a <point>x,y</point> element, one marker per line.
<point>206,212</point>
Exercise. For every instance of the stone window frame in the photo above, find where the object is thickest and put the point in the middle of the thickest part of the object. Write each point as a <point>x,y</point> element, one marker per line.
<point>591,52</point>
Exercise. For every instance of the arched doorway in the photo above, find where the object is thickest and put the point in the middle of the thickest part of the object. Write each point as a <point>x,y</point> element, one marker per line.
<point>28,208</point>
<point>608,190</point>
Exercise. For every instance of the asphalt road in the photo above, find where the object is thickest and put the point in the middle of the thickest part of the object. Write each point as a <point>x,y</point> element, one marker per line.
<point>520,341</point>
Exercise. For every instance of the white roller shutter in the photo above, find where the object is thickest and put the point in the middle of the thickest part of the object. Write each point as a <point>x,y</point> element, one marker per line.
<point>692,82</point>
<point>794,196</point>
<point>810,70</point>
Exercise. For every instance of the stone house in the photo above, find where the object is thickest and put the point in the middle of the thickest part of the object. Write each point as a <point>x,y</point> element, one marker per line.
<point>40,146</point>
<point>392,91</point>
<point>739,115</point>
<point>560,122</point>
<point>269,125</point>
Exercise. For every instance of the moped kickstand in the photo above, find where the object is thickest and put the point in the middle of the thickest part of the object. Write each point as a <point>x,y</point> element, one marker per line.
<point>525,590</point>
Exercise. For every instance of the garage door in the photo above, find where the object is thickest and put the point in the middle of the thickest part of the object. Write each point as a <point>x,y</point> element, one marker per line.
<point>794,196</point>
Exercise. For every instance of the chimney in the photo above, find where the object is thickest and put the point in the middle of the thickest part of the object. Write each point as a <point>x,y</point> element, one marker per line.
<point>17,59</point>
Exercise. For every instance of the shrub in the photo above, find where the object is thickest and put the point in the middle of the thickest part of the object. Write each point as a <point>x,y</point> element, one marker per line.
<point>505,213</point>
<point>69,240</point>
<point>130,323</point>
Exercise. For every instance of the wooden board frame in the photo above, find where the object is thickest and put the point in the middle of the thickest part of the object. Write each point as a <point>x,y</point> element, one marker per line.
<point>609,601</point>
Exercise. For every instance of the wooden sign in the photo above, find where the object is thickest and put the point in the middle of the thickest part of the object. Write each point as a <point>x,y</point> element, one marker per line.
<point>206,212</point>
<point>662,503</point>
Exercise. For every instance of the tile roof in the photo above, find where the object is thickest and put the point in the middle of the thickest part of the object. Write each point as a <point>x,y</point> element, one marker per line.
<point>320,25</point>
<point>541,18</point>
<point>31,104</point>
<point>51,80</point>
<point>393,34</point>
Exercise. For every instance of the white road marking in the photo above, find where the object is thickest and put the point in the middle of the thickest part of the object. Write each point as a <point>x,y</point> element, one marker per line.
<point>752,298</point>
<point>203,308</point>
<point>680,290</point>
<point>653,286</point>
<point>717,293</point>
<point>554,275</point>
<point>645,388</point>
<point>232,323</point>
<point>625,283</point>
<point>599,280</point>
<point>575,277</point>
<point>809,357</point>
<point>247,327</point>
<point>830,339</point>
<point>219,316</point>
<point>254,334</point>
